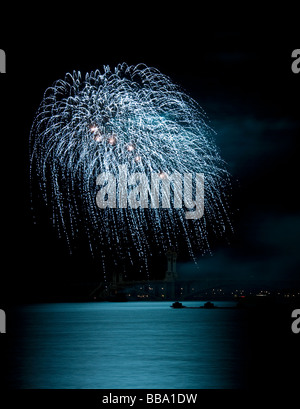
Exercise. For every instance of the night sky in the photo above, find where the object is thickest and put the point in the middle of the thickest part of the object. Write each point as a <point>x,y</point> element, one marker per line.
<point>244,82</point>
<point>242,78</point>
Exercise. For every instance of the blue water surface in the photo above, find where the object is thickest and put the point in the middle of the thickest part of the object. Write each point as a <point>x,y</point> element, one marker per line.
<point>129,345</point>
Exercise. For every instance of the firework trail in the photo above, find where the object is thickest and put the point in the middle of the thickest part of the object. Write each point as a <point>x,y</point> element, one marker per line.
<point>133,116</point>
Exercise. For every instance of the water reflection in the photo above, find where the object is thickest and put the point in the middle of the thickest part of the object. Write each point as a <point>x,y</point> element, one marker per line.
<point>138,345</point>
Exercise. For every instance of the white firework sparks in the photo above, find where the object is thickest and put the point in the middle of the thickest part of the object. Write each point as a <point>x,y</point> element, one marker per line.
<point>133,116</point>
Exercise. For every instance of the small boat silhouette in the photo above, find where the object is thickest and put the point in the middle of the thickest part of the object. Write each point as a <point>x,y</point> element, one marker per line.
<point>209,304</point>
<point>177,304</point>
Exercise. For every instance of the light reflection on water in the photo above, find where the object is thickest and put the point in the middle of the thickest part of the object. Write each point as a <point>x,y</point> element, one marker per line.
<point>138,345</point>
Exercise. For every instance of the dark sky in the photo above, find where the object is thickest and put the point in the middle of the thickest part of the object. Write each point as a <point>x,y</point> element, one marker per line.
<point>243,80</point>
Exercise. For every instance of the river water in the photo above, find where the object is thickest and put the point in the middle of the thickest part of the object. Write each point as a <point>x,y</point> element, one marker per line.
<point>130,345</point>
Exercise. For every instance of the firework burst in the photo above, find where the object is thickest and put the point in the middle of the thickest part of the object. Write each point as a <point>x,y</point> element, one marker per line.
<point>133,116</point>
